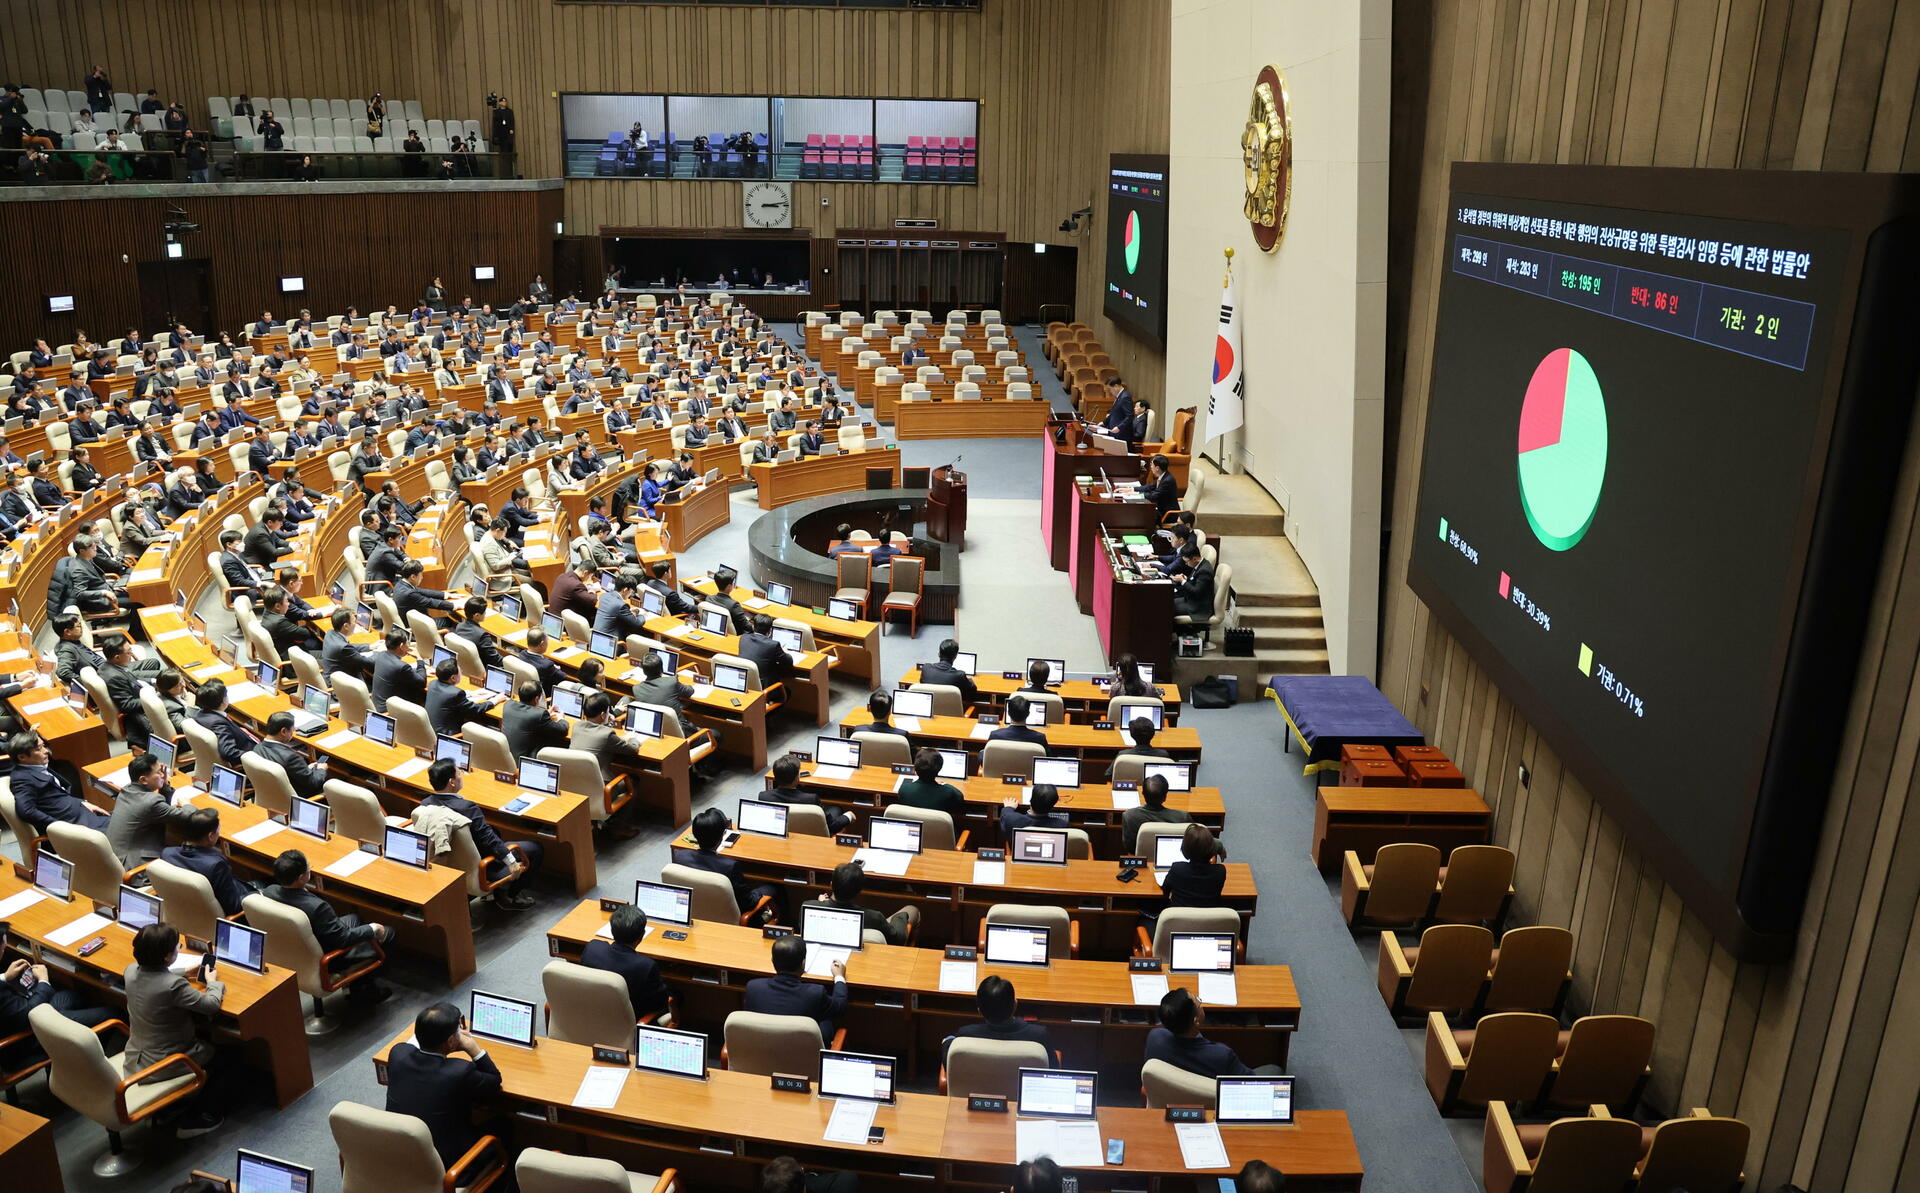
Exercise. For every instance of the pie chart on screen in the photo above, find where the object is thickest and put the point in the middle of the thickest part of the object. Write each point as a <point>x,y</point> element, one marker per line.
<point>1562,449</point>
<point>1130,241</point>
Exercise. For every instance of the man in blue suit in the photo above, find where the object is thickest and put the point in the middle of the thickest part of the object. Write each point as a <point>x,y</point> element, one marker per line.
<point>646,990</point>
<point>1016,728</point>
<point>788,992</point>
<point>200,852</point>
<point>210,713</point>
<point>40,795</point>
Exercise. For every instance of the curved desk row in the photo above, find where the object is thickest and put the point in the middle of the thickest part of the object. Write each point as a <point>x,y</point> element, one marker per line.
<point>1063,741</point>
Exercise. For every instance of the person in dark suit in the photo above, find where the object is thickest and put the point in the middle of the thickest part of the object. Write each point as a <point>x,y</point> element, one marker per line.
<point>1197,879</point>
<point>678,603</point>
<point>1039,812</point>
<point>449,708</point>
<point>646,990</point>
<point>519,515</point>
<point>925,790</point>
<point>723,581</point>
<point>517,862</point>
<point>409,597</point>
<point>534,655</point>
<point>1140,729</point>
<point>280,625</point>
<point>529,725</point>
<point>291,885</point>
<point>760,649</point>
<point>1137,428</point>
<point>944,672</point>
<point>1000,1017</point>
<point>393,674</point>
<point>1159,487</point>
<point>123,687</point>
<point>786,790</point>
<point>788,992</point>
<point>1178,1041</point>
<point>709,829</point>
<point>1194,596</point>
<point>426,1080</point>
<point>849,880</point>
<point>1119,418</point>
<point>338,651</point>
<point>210,713</point>
<point>614,615</point>
<point>1016,728</point>
<point>235,572</point>
<point>484,643</point>
<point>278,746</point>
<point>810,441</point>
<point>23,987</point>
<point>40,794</point>
<point>390,558</point>
<point>199,851</point>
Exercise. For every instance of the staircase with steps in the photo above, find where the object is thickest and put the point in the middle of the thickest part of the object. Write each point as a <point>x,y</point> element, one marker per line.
<point>1274,594</point>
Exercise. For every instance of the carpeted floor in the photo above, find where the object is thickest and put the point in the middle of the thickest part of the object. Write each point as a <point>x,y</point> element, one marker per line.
<point>1347,1053</point>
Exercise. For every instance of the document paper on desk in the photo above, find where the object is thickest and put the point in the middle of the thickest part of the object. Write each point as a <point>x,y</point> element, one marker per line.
<point>910,724</point>
<point>1218,989</point>
<point>334,741</point>
<point>989,873</point>
<point>78,930</point>
<point>959,977</point>
<point>19,902</point>
<point>1149,988</point>
<point>410,768</point>
<point>245,690</point>
<point>820,959</point>
<point>352,863</point>
<point>833,772</point>
<point>890,862</point>
<point>1122,800</point>
<point>1200,1145</point>
<point>600,1088</point>
<point>850,1120</point>
<point>1072,1145</point>
<point>256,832</point>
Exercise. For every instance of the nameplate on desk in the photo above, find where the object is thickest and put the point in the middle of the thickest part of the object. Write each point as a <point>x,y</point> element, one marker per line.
<point>1010,675</point>
<point>1143,965</point>
<point>789,1083</point>
<point>960,952</point>
<point>1013,780</point>
<point>852,839</point>
<point>991,855</point>
<point>1126,785</point>
<point>611,1056</point>
<point>380,1071</point>
<point>901,768</point>
<point>986,1104</point>
<point>989,719</point>
<point>1133,863</point>
<point>612,905</point>
<point>804,756</point>
<point>1186,1114</point>
<point>774,932</point>
<point>1103,724</point>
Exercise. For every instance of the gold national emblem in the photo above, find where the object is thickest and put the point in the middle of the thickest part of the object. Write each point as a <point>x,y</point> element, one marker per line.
<point>1266,153</point>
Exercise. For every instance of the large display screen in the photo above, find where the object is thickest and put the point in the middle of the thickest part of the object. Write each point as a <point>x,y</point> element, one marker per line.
<point>1635,412</point>
<point>1136,231</point>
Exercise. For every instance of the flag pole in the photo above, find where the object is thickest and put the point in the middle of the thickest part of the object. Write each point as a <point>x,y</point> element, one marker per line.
<point>1226,280</point>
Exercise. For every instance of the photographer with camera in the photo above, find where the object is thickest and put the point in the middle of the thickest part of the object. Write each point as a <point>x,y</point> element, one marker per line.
<point>502,124</point>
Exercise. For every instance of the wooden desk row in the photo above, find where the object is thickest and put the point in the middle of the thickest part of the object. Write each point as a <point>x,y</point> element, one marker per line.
<point>723,1130</point>
<point>1063,741</point>
<point>819,476</point>
<point>1362,819</point>
<point>1085,700</point>
<point>946,418</point>
<point>953,897</point>
<point>262,1012</point>
<point>898,1007</point>
<point>856,643</point>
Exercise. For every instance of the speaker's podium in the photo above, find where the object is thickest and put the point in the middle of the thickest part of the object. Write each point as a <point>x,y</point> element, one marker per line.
<point>947,507</point>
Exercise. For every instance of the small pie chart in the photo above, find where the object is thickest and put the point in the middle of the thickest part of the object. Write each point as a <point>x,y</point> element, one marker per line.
<point>1130,240</point>
<point>1562,449</point>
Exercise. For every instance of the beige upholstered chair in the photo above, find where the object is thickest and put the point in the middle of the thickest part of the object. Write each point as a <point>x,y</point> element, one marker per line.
<point>541,1171</point>
<point>384,1152</point>
<point>769,1044</point>
<point>292,945</point>
<point>1166,1085</point>
<point>587,1006</point>
<point>1063,932</point>
<point>989,1066</point>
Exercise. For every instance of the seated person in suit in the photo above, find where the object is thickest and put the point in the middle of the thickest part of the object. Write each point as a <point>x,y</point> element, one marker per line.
<point>394,674</point>
<point>709,830</point>
<point>23,987</point>
<point>142,812</point>
<point>427,1081</point>
<point>645,987</point>
<point>723,581</point>
<point>925,790</point>
<point>355,941</point>
<point>449,707</point>
<point>786,790</point>
<point>1000,1018</point>
<point>760,649</point>
<point>517,862</point>
<point>40,794</point>
<point>534,655</point>
<point>1038,674</point>
<point>278,746</point>
<point>484,643</point>
<point>210,713</point>
<point>849,879</point>
<point>1159,487</point>
<point>613,614</point>
<point>281,627</point>
<point>529,724</point>
<point>1152,810</point>
<point>810,441</point>
<point>1140,729</point>
<point>1039,812</point>
<point>657,687</point>
<point>1016,728</point>
<point>1197,879</point>
<point>338,652</point>
<point>788,992</point>
<point>880,706</point>
<point>199,851</point>
<point>570,591</point>
<point>165,1011</point>
<point>1194,596</point>
<point>678,603</point>
<point>1178,1041</point>
<point>1127,680</point>
<point>944,672</point>
<point>409,597</point>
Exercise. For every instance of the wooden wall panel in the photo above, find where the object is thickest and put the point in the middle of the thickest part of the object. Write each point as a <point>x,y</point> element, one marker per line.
<point>1063,83</point>
<point>1816,1054</point>
<point>366,249</point>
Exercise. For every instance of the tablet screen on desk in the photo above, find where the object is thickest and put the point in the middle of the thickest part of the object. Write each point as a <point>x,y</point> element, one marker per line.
<point>508,1020</point>
<point>1179,775</point>
<point>764,817</point>
<point>405,846</point>
<point>440,653</point>
<point>499,681</point>
<point>567,702</point>
<point>713,621</point>
<point>1202,952</point>
<point>1166,851</point>
<point>1152,713</point>
<point>664,1050</point>
<point>856,1075</point>
<point>1057,1093</point>
<point>52,875</point>
<point>227,785</point>
<point>455,748</point>
<point>266,675</point>
<point>1039,846</point>
<point>651,601</point>
<point>256,1173</point>
<point>162,749</point>
<point>1056,669</point>
<point>831,926</point>
<point>1262,1100</point>
<point>836,751</point>
<point>237,944</point>
<point>603,644</point>
<point>953,764</point>
<point>136,909</point>
<point>733,679</point>
<point>308,816</point>
<point>509,606</point>
<point>912,704</point>
<point>1060,772</point>
<point>788,638</point>
<point>674,904</point>
<point>966,662</point>
<point>315,701</point>
<point>1017,944</point>
<point>844,610</point>
<point>644,721</point>
<point>380,728</point>
<point>887,832</point>
<point>543,777</point>
<point>780,594</point>
<point>555,628</point>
